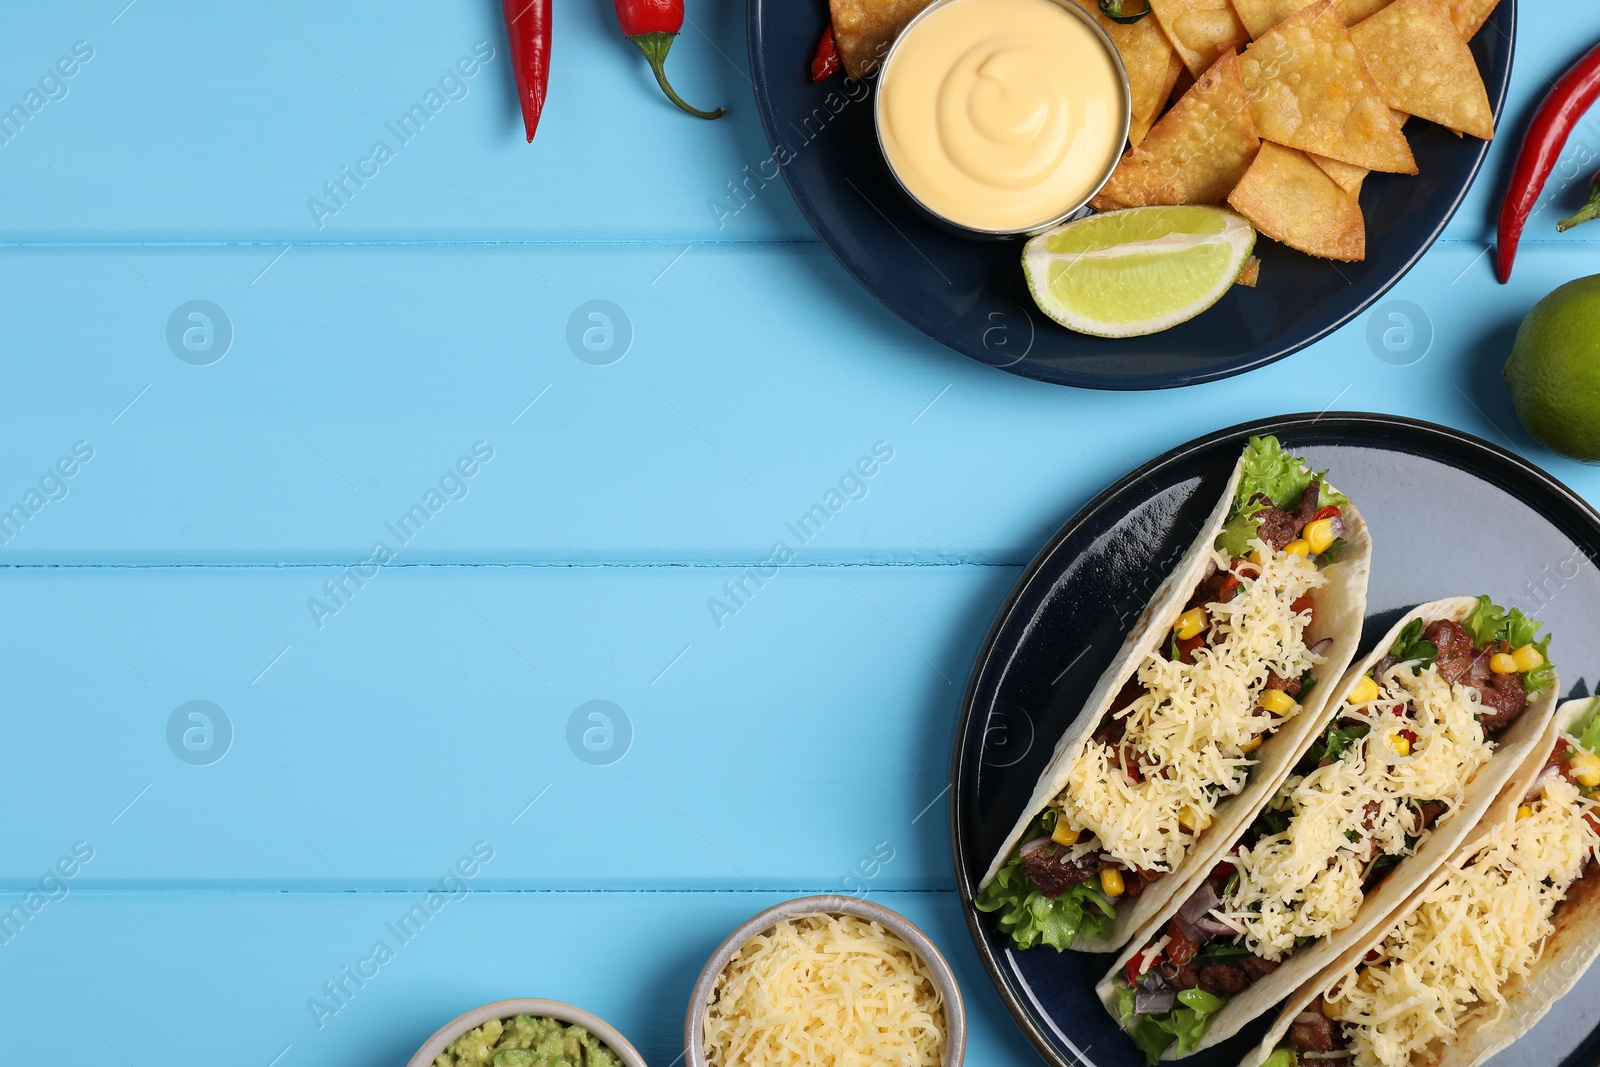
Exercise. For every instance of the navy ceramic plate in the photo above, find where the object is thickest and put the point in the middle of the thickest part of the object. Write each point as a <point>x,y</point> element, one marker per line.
<point>1449,514</point>
<point>971,295</point>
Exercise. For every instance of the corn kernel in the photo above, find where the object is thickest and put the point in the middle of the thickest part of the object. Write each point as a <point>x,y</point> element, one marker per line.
<point>1399,744</point>
<point>1319,535</point>
<point>1298,547</point>
<point>1585,768</point>
<point>1523,811</point>
<point>1503,663</point>
<point>1192,820</point>
<point>1255,556</point>
<point>1250,745</point>
<point>1111,882</point>
<point>1527,658</point>
<point>1364,691</point>
<point>1277,701</point>
<point>1064,834</point>
<point>1190,624</point>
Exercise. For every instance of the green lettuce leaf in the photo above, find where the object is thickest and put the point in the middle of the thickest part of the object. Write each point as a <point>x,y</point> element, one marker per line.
<point>1282,478</point>
<point>1410,645</point>
<point>1283,1057</point>
<point>1589,734</point>
<point>1029,917</point>
<point>1490,622</point>
<point>1185,1024</point>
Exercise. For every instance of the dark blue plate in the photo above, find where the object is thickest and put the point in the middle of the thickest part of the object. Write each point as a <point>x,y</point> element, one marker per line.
<point>1449,514</point>
<point>971,295</point>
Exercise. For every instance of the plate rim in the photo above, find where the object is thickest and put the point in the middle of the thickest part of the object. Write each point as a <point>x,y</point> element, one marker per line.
<point>755,34</point>
<point>1446,436</point>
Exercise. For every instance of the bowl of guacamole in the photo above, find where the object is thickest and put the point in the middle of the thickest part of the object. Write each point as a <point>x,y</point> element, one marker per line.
<point>527,1033</point>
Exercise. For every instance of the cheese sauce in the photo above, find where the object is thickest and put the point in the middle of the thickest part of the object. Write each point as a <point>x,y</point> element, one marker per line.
<point>1001,115</point>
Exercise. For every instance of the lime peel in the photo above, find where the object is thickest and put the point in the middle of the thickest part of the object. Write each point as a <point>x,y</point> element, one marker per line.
<point>1138,271</point>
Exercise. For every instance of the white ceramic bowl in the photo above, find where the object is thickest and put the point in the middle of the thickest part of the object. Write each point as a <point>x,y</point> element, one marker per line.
<point>505,1009</point>
<point>955,1014</point>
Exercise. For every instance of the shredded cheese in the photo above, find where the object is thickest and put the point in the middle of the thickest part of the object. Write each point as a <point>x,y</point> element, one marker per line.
<point>825,991</point>
<point>1307,880</point>
<point>1449,959</point>
<point>1189,729</point>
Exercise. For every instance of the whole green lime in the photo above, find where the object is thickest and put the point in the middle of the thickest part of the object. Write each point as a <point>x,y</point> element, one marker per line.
<point>1554,370</point>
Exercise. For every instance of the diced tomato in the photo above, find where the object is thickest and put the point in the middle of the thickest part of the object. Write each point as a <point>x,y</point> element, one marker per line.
<point>1246,569</point>
<point>1593,819</point>
<point>1222,870</point>
<point>1229,587</point>
<point>1305,603</point>
<point>1137,966</point>
<point>1372,956</point>
<point>1329,512</point>
<point>1410,736</point>
<point>1180,949</point>
<point>1186,647</point>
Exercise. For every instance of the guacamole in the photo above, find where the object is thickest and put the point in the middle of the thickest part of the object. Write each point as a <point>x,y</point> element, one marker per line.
<point>526,1041</point>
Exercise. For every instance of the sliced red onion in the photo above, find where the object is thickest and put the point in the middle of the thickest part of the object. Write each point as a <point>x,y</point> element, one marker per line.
<point>1338,525</point>
<point>1154,1001</point>
<point>1200,901</point>
<point>1033,846</point>
<point>1321,647</point>
<point>1210,926</point>
<point>1553,767</point>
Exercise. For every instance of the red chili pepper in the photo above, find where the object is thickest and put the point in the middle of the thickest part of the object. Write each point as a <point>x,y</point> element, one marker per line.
<point>1547,135</point>
<point>528,29</point>
<point>652,25</point>
<point>826,63</point>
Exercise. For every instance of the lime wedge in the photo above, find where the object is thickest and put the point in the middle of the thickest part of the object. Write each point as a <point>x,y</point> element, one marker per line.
<point>1139,271</point>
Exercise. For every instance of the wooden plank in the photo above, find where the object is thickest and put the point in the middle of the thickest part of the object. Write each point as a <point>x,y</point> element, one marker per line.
<point>771,753</point>
<point>757,379</point>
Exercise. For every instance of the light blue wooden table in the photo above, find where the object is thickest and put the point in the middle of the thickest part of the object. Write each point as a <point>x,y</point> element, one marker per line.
<point>395,369</point>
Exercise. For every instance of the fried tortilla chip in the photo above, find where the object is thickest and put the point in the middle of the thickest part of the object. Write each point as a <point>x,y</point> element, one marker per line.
<point>1141,126</point>
<point>1201,30</point>
<point>1291,200</point>
<point>1197,152</point>
<point>1470,15</point>
<point>1250,273</point>
<point>1259,16</point>
<point>1309,89</point>
<point>1151,64</point>
<point>863,30</point>
<point>1345,176</point>
<point>1424,67</point>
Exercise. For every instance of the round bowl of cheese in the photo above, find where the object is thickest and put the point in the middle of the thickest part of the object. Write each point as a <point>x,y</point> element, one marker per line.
<point>527,1033</point>
<point>826,980</point>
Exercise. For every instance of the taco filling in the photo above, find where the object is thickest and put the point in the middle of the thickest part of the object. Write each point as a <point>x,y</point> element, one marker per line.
<point>1448,960</point>
<point>1395,759</point>
<point>1180,737</point>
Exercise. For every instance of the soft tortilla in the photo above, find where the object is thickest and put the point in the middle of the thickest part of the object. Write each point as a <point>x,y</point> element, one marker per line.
<point>1567,954</point>
<point>1521,738</point>
<point>1340,606</point>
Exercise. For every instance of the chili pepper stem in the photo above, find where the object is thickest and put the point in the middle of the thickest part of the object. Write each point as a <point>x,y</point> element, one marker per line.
<point>1591,210</point>
<point>655,46</point>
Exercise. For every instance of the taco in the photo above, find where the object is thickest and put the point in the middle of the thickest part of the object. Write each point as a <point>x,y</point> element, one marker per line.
<point>1423,735</point>
<point>1203,710</point>
<point>1479,953</point>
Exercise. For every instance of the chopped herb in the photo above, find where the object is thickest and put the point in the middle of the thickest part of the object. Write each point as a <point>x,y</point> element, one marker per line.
<point>1410,645</point>
<point>1219,952</point>
<point>1337,741</point>
<point>1334,552</point>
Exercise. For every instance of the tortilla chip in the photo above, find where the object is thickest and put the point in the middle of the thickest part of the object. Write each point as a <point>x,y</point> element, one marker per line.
<point>1197,152</point>
<point>1250,273</point>
<point>1345,176</point>
<point>1424,66</point>
<point>1291,200</point>
<point>863,30</point>
<point>1259,16</point>
<point>1470,15</point>
<point>1200,30</point>
<point>1149,61</point>
<point>1309,89</point>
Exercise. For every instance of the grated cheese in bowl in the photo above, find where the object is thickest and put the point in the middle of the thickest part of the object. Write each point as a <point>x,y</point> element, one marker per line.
<point>825,990</point>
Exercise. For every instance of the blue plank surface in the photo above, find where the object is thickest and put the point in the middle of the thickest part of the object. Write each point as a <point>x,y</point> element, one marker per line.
<point>549,658</point>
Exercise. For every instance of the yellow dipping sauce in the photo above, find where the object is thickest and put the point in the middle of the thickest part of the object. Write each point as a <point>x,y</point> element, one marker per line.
<point>1001,114</point>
